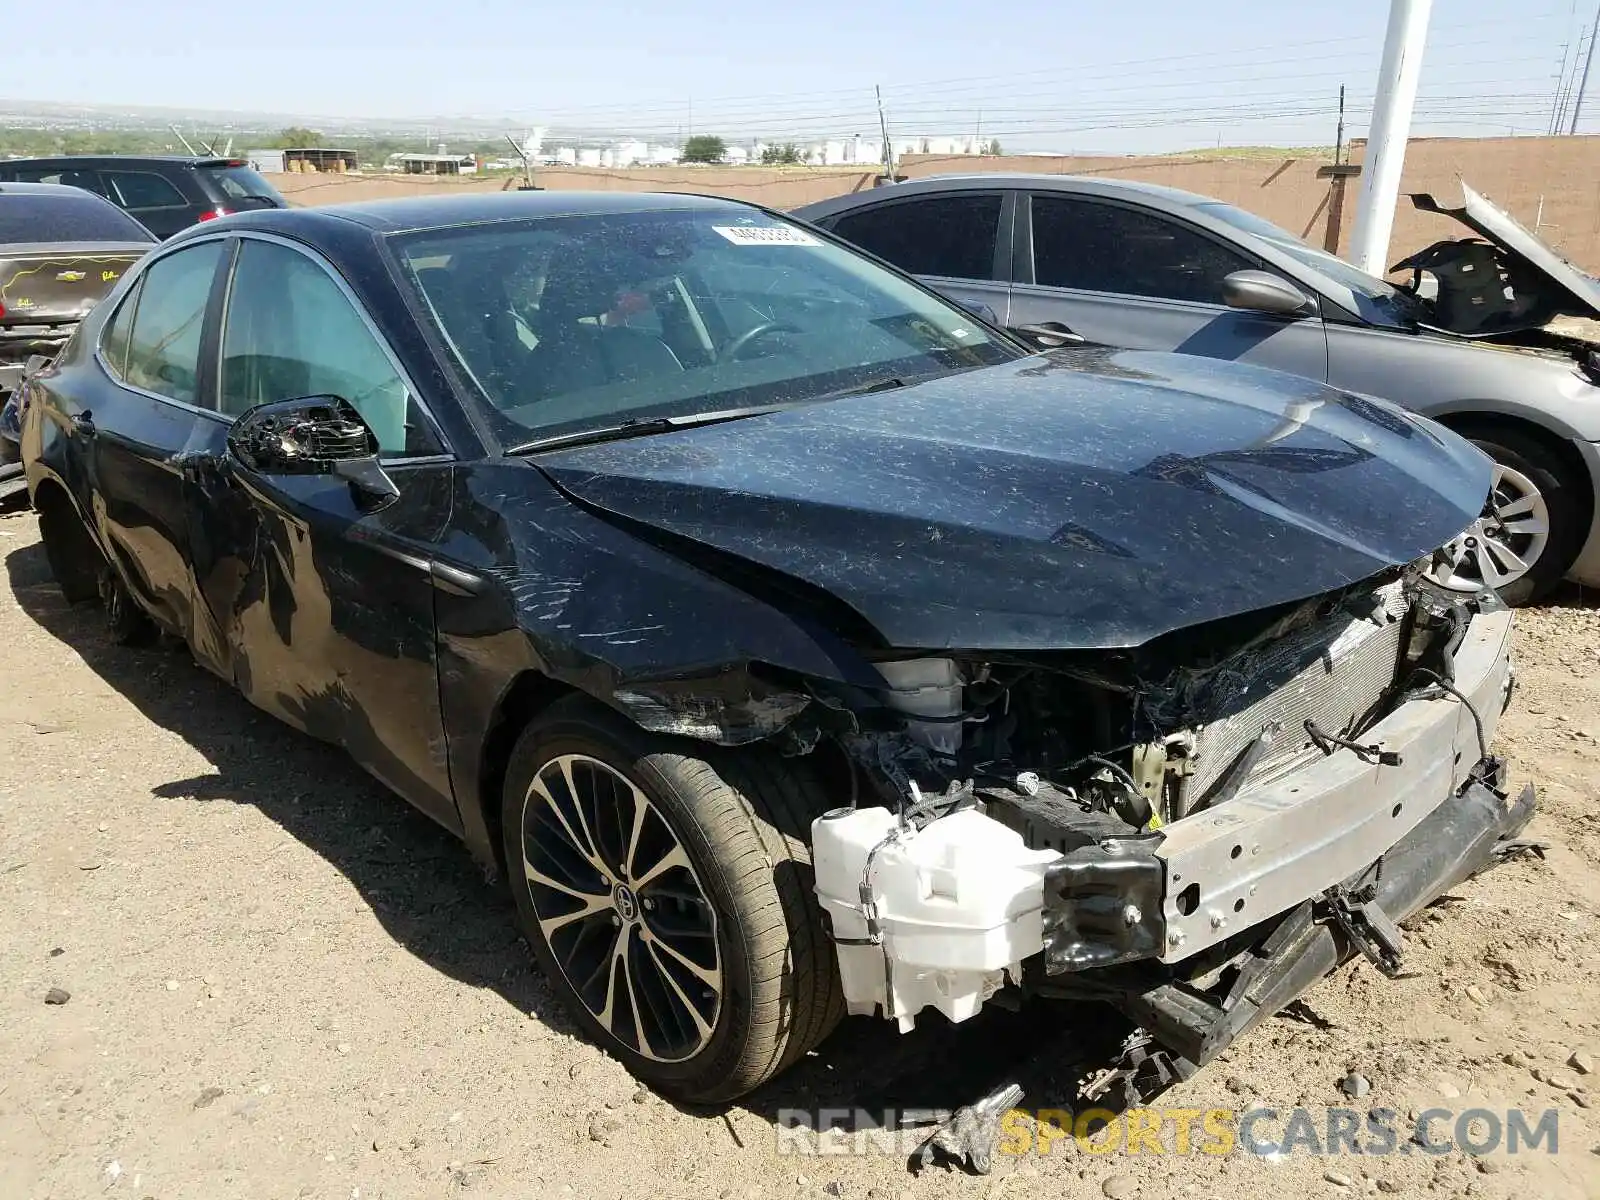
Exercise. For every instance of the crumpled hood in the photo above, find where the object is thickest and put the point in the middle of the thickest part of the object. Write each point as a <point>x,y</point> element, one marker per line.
<point>1085,498</point>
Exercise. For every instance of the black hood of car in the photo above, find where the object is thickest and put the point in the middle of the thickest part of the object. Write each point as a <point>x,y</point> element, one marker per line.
<point>1088,498</point>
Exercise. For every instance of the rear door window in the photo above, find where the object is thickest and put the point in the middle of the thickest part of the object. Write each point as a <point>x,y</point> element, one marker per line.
<point>114,338</point>
<point>164,350</point>
<point>144,189</point>
<point>949,236</point>
<point>1095,247</point>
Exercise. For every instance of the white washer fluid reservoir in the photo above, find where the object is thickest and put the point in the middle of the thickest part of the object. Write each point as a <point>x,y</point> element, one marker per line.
<point>954,905</point>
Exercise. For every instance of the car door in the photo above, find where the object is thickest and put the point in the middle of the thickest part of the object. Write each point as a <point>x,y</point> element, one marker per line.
<point>151,199</point>
<point>138,420</point>
<point>1121,275</point>
<point>317,605</point>
<point>957,243</point>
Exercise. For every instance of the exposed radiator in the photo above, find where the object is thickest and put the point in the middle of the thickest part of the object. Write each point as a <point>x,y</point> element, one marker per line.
<point>1332,672</point>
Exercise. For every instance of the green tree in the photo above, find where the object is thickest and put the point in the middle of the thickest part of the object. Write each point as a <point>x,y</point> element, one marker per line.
<point>704,148</point>
<point>784,154</point>
<point>993,147</point>
<point>297,138</point>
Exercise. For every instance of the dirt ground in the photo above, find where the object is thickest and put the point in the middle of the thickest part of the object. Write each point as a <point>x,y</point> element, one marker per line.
<point>285,983</point>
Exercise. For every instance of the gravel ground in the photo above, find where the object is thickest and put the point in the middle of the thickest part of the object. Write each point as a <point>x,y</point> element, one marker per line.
<point>283,982</point>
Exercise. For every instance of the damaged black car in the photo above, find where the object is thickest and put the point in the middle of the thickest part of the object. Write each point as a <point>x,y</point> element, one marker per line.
<point>791,641</point>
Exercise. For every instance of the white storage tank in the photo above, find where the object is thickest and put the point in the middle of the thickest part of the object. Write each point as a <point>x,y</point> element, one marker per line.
<point>955,906</point>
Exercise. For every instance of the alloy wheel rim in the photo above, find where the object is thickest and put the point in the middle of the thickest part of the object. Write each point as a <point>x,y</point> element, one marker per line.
<point>1505,542</point>
<point>621,908</point>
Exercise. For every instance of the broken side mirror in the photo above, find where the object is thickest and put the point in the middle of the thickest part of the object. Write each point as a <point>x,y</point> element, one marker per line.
<point>313,435</point>
<point>1264,292</point>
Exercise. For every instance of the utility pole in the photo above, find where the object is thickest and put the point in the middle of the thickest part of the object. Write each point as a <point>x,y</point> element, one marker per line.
<point>1338,137</point>
<point>1588,61</point>
<point>1398,76</point>
<point>883,127</point>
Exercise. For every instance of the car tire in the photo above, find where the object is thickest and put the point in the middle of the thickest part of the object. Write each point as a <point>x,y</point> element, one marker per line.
<point>75,561</point>
<point>1528,460</point>
<point>126,622</point>
<point>728,976</point>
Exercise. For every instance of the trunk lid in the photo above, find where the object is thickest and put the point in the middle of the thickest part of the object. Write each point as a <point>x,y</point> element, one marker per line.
<point>48,284</point>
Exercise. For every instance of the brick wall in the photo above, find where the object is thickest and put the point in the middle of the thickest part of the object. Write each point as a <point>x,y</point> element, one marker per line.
<point>1554,182</point>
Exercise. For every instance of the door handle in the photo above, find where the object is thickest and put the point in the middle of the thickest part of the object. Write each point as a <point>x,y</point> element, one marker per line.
<point>1050,334</point>
<point>83,424</point>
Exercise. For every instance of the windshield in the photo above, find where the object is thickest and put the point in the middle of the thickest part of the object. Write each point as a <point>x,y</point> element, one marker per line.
<point>70,215</point>
<point>240,183</point>
<point>1370,296</point>
<point>568,324</point>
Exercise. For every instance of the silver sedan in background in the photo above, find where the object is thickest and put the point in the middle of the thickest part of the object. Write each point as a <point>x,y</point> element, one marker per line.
<point>1476,342</point>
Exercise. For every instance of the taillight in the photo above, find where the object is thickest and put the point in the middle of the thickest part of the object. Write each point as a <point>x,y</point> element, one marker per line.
<point>213,214</point>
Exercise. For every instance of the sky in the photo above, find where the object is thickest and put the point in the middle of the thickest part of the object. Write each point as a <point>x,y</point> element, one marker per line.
<point>1136,76</point>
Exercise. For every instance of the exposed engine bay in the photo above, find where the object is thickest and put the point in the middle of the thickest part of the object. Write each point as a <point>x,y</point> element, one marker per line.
<point>1504,287</point>
<point>1136,826</point>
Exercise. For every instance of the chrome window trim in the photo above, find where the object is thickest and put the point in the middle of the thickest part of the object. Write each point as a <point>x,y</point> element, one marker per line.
<point>447,453</point>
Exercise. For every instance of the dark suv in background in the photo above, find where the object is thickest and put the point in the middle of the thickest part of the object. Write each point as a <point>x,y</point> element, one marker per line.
<point>165,194</point>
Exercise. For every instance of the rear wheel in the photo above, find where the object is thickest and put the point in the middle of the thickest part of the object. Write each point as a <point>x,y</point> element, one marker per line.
<point>668,897</point>
<point>1532,526</point>
<point>75,561</point>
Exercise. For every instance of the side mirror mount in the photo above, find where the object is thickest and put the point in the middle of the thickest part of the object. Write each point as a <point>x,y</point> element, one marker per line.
<point>1050,335</point>
<point>980,310</point>
<point>314,435</point>
<point>1264,292</point>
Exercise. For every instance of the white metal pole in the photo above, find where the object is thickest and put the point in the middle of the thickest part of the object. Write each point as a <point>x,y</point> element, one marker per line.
<point>1391,127</point>
<point>1577,105</point>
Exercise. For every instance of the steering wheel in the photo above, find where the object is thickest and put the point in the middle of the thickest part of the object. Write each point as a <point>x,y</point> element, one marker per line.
<point>732,349</point>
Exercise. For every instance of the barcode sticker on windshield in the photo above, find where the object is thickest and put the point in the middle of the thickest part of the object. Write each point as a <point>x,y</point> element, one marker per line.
<point>765,235</point>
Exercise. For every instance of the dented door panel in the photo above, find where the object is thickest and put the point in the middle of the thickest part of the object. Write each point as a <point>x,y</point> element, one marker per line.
<point>322,614</point>
<point>528,582</point>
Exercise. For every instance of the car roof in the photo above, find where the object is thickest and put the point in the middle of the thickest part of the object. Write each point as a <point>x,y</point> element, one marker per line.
<point>435,212</point>
<point>1097,185</point>
<point>181,160</point>
<point>64,190</point>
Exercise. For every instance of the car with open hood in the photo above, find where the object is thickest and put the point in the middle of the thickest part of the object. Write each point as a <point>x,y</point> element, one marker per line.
<point>788,640</point>
<point>1481,347</point>
<point>61,250</point>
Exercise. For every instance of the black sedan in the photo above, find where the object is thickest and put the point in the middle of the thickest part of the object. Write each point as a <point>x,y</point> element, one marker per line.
<point>627,536</point>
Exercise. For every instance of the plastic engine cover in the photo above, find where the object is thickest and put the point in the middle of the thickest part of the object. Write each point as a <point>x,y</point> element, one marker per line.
<point>956,904</point>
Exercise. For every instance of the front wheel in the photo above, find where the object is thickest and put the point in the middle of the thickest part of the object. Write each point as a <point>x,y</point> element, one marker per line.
<point>668,897</point>
<point>126,622</point>
<point>1532,526</point>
